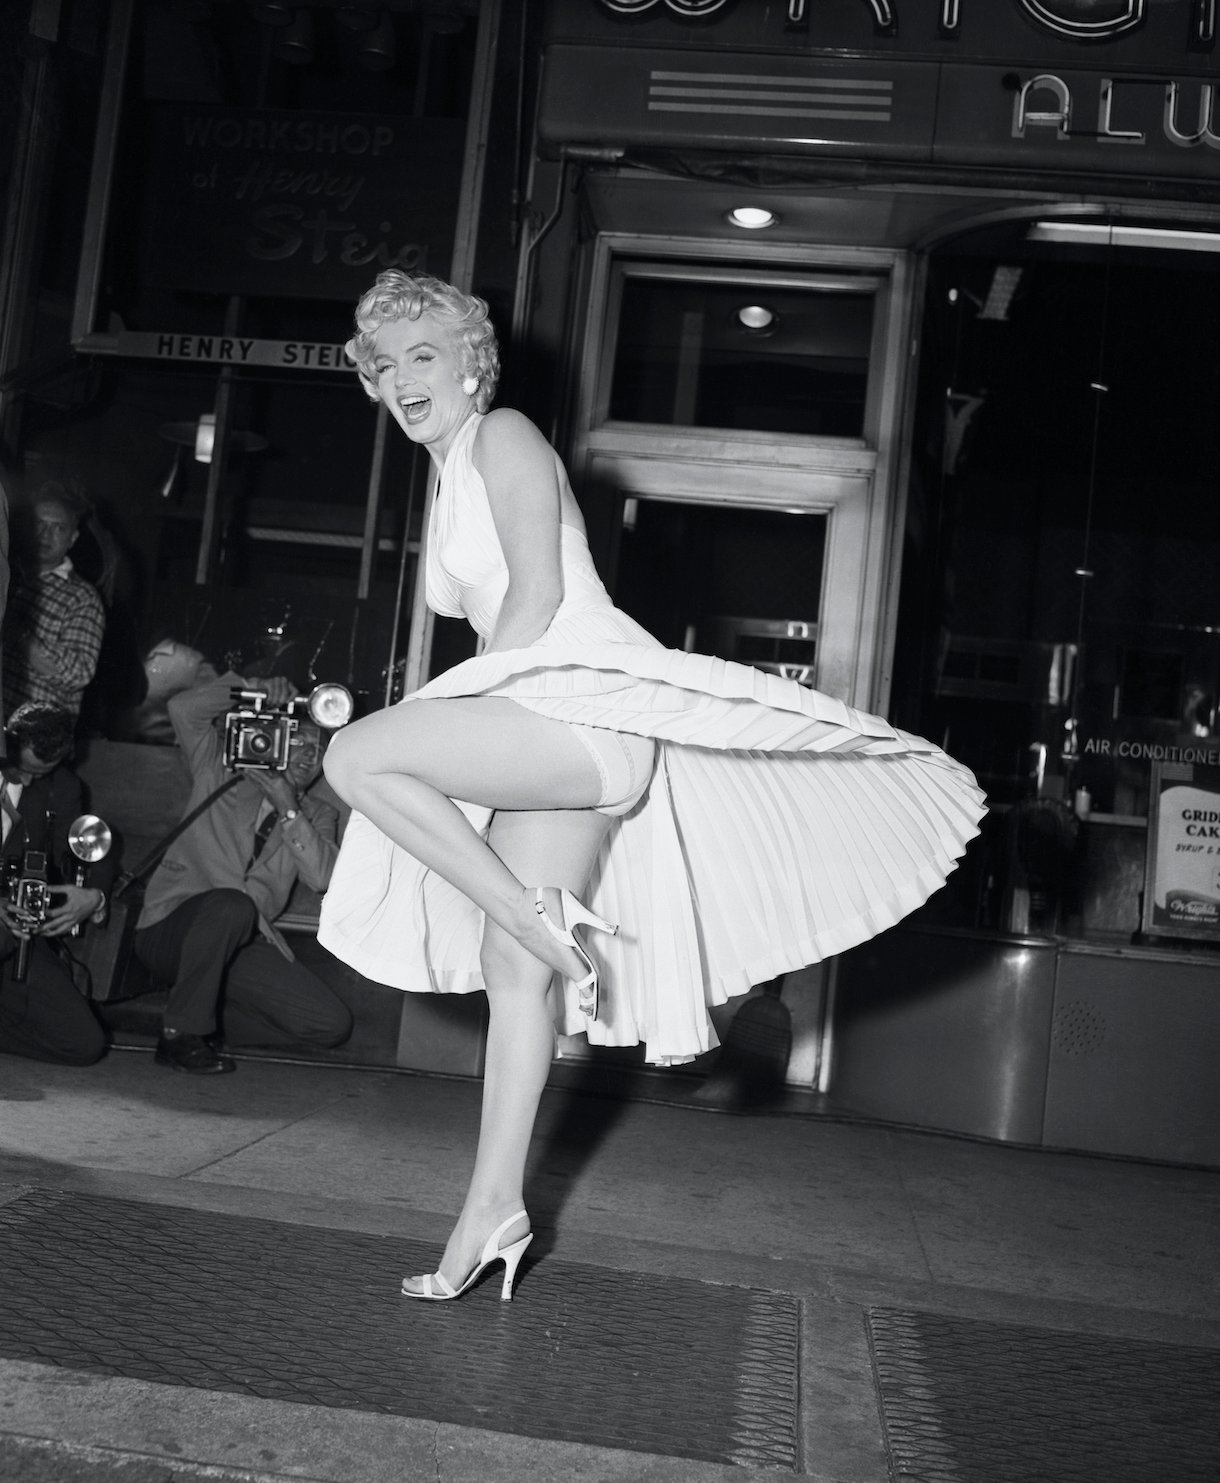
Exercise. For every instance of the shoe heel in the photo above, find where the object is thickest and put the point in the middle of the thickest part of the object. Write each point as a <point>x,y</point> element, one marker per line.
<point>512,1260</point>
<point>434,1288</point>
<point>577,914</point>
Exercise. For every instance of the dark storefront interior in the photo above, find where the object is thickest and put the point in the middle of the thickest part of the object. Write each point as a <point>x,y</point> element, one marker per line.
<point>1063,538</point>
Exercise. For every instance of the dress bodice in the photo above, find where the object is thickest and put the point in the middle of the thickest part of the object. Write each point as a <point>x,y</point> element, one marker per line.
<point>465,572</point>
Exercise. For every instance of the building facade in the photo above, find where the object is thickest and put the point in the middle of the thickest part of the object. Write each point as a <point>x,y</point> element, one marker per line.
<point>879,339</point>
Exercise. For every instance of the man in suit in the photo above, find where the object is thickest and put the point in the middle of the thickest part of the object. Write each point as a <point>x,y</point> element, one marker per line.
<point>42,1014</point>
<point>208,922</point>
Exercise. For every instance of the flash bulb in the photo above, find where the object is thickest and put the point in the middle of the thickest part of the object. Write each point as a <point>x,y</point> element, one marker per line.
<point>330,706</point>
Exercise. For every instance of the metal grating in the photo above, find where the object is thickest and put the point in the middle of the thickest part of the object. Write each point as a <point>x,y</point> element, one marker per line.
<point>313,1315</point>
<point>1078,1029</point>
<point>963,1401</point>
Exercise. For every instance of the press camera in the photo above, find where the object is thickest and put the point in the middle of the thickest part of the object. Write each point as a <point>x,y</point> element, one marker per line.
<point>26,889</point>
<point>25,886</point>
<point>258,734</point>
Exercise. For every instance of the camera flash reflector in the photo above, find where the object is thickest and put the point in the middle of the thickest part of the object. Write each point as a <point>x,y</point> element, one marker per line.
<point>331,705</point>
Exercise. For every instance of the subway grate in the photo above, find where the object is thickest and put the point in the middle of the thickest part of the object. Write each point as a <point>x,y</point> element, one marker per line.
<point>966,1399</point>
<point>312,1315</point>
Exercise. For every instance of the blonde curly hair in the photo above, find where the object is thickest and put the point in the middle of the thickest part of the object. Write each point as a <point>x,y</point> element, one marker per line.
<point>399,295</point>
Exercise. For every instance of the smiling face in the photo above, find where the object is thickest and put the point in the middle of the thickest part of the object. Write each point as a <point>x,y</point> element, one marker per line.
<point>419,378</point>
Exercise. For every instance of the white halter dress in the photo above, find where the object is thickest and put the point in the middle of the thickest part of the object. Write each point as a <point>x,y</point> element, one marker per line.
<point>780,826</point>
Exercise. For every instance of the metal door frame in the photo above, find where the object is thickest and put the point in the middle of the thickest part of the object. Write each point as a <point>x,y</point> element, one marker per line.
<point>855,482</point>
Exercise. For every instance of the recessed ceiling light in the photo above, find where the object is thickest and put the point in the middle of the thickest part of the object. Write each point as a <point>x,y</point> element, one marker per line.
<point>756,316</point>
<point>752,217</point>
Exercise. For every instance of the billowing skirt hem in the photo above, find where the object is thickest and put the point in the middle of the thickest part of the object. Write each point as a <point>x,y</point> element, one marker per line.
<point>781,827</point>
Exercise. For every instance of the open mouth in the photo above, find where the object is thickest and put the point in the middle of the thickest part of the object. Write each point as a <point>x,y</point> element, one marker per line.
<point>415,408</point>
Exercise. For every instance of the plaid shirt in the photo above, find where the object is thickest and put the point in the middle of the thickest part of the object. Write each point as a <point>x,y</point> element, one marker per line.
<point>66,614</point>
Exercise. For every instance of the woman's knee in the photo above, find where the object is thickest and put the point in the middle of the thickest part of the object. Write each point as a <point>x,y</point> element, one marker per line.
<point>499,956</point>
<point>340,762</point>
<point>378,744</point>
<point>507,967</point>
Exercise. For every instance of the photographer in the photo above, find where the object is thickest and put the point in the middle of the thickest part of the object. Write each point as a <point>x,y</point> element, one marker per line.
<point>207,925</point>
<point>42,1015</point>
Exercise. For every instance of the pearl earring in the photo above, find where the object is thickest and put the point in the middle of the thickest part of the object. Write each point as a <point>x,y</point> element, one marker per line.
<point>470,385</point>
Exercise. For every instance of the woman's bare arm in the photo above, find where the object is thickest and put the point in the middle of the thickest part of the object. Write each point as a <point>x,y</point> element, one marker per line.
<point>518,467</point>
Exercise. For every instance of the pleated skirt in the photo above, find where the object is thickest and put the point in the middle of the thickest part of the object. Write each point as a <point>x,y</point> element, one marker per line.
<point>781,827</point>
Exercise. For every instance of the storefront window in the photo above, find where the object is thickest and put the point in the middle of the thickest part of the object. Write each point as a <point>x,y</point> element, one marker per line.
<point>1060,626</point>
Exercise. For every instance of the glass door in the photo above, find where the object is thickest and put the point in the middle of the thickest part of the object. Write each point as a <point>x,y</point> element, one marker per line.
<point>734,452</point>
<point>733,580</point>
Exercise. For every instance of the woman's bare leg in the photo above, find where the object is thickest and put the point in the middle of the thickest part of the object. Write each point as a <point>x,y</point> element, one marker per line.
<point>520,1033</point>
<point>403,765</point>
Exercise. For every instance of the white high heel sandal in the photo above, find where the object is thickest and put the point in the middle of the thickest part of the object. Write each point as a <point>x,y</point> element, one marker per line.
<point>576,914</point>
<point>437,1289</point>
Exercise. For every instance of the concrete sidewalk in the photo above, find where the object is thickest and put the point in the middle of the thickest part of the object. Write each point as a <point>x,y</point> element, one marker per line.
<point>844,1217</point>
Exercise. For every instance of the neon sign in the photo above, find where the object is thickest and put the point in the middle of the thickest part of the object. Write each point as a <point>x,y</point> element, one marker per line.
<point>1046,102</point>
<point>1086,20</point>
<point>1071,20</point>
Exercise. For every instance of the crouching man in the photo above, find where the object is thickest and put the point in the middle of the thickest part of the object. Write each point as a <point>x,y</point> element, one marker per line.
<point>208,922</point>
<point>43,1015</point>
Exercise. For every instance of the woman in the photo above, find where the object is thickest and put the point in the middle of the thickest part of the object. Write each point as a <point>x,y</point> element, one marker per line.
<point>730,824</point>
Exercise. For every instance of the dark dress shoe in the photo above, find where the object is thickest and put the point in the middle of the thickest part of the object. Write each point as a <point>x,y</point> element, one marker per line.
<point>192,1053</point>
